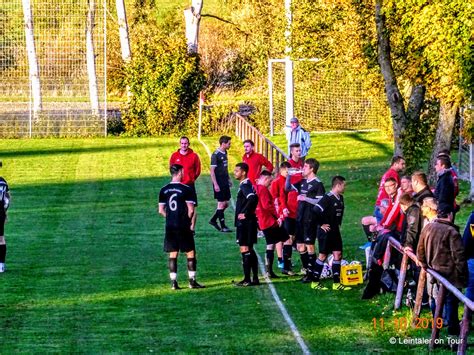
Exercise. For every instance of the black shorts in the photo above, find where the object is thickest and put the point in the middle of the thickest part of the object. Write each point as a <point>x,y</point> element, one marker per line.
<point>305,233</point>
<point>275,235</point>
<point>290,225</point>
<point>193,188</point>
<point>246,233</point>
<point>224,194</point>
<point>329,242</point>
<point>3,217</point>
<point>178,240</point>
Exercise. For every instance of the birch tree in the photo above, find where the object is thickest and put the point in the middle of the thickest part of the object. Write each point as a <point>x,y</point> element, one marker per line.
<point>192,17</point>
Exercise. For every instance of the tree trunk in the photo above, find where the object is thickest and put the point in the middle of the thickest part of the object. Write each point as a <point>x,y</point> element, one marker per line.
<point>32,59</point>
<point>90,56</point>
<point>415,103</point>
<point>444,132</point>
<point>192,17</point>
<point>394,97</point>
<point>123,31</point>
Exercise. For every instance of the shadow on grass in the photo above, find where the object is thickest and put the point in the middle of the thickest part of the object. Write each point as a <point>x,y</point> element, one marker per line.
<point>107,147</point>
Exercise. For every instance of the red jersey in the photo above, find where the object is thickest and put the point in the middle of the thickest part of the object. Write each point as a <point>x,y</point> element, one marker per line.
<point>266,213</point>
<point>191,165</point>
<point>390,173</point>
<point>284,199</point>
<point>294,179</point>
<point>256,162</point>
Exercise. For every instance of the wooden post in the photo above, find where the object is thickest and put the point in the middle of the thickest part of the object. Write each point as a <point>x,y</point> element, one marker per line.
<point>464,330</point>
<point>401,281</point>
<point>438,314</point>
<point>90,57</point>
<point>419,296</point>
<point>387,255</point>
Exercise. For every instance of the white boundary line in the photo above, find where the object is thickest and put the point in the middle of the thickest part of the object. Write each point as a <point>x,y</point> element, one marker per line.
<point>281,306</point>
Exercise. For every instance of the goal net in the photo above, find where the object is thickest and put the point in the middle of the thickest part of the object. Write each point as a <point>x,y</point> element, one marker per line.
<point>325,99</point>
<point>59,32</point>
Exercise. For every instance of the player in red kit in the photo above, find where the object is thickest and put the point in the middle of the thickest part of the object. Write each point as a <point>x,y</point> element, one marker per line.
<point>191,164</point>
<point>268,220</point>
<point>255,161</point>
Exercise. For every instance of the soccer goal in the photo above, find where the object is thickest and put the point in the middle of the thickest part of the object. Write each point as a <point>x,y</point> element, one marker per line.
<point>53,68</point>
<point>323,98</point>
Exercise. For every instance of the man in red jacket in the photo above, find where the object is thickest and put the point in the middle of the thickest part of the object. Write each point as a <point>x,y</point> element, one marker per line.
<point>268,221</point>
<point>191,163</point>
<point>255,161</point>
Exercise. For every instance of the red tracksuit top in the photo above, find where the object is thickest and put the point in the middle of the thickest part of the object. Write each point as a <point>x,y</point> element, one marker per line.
<point>191,165</point>
<point>393,217</point>
<point>255,162</point>
<point>390,173</point>
<point>266,213</point>
<point>284,199</point>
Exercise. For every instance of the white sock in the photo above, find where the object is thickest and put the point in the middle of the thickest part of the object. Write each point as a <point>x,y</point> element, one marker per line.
<point>173,276</point>
<point>192,274</point>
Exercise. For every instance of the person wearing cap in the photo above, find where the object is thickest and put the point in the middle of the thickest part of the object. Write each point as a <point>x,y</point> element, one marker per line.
<point>297,134</point>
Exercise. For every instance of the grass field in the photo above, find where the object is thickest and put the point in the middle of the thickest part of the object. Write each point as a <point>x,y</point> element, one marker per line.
<point>86,271</point>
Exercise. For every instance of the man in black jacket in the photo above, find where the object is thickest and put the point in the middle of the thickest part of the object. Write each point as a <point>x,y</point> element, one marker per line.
<point>419,183</point>
<point>444,191</point>
<point>412,224</point>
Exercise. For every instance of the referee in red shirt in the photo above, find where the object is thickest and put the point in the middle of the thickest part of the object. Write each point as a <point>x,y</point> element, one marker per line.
<point>255,161</point>
<point>191,163</point>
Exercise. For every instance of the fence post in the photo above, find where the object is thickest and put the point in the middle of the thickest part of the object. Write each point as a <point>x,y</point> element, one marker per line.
<point>419,296</point>
<point>464,330</point>
<point>387,255</point>
<point>401,281</point>
<point>438,314</point>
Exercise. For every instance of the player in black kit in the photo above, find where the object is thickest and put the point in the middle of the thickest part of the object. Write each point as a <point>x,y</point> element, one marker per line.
<point>221,183</point>
<point>246,225</point>
<point>176,204</point>
<point>328,214</point>
<point>310,190</point>
<point>4,203</point>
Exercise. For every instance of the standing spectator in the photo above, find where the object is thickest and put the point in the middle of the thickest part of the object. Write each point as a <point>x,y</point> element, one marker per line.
<point>221,183</point>
<point>297,134</point>
<point>405,185</point>
<point>419,182</point>
<point>246,225</point>
<point>440,248</point>
<point>4,204</point>
<point>468,242</point>
<point>176,204</point>
<point>444,191</point>
<point>191,163</point>
<point>396,167</point>
<point>255,161</point>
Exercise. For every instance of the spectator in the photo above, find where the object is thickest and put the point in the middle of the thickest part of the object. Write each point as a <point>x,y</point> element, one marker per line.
<point>419,183</point>
<point>444,191</point>
<point>297,134</point>
<point>405,184</point>
<point>397,166</point>
<point>440,248</point>
<point>468,242</point>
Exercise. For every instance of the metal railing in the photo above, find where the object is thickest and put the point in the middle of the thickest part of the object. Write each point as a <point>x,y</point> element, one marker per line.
<point>444,286</point>
<point>244,130</point>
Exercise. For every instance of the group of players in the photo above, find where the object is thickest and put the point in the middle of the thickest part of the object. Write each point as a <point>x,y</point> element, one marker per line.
<point>290,210</point>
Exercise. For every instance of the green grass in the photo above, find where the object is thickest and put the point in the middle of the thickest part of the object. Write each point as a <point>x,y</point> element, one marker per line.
<point>86,271</point>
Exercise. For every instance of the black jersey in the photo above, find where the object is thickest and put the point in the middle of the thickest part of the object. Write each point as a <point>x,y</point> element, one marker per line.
<point>313,189</point>
<point>220,162</point>
<point>247,201</point>
<point>330,210</point>
<point>4,195</point>
<point>175,197</point>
